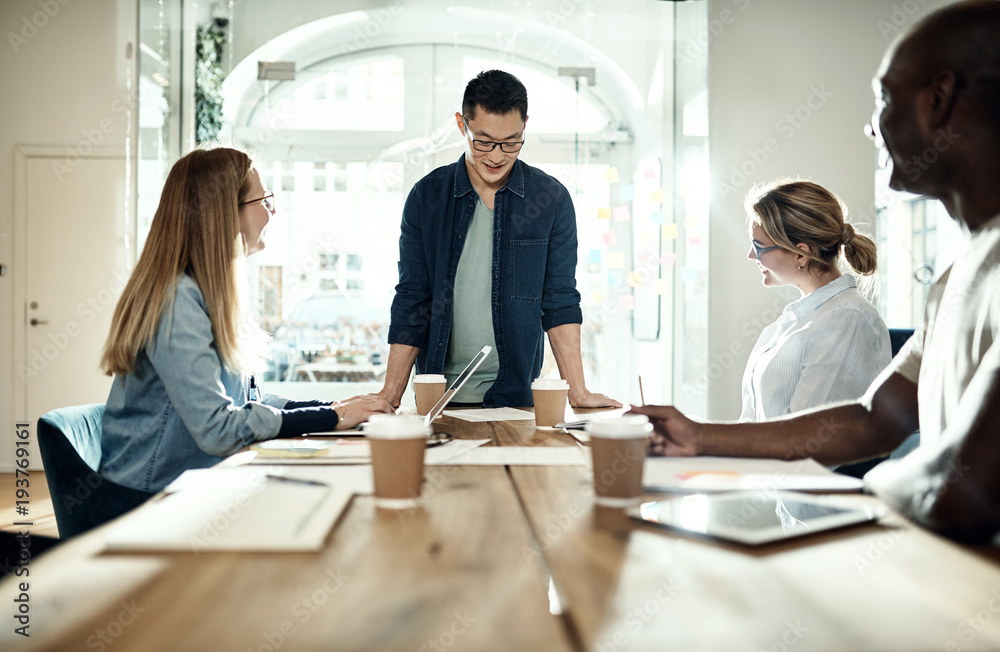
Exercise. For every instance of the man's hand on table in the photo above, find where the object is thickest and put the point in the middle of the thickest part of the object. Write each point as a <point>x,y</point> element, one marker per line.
<point>673,433</point>
<point>357,409</point>
<point>587,399</point>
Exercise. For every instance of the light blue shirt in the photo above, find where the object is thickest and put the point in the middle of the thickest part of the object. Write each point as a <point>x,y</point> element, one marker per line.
<point>182,408</point>
<point>826,347</point>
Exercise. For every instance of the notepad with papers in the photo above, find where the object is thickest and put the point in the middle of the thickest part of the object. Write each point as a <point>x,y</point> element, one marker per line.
<point>708,474</point>
<point>241,508</point>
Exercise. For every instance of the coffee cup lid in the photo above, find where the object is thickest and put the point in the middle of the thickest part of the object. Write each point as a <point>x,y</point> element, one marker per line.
<point>626,426</point>
<point>549,383</point>
<point>396,426</point>
<point>430,378</point>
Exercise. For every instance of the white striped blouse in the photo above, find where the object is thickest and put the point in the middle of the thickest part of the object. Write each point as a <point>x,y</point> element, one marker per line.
<point>826,347</point>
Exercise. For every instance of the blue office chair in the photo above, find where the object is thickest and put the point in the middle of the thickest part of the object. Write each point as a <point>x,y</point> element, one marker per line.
<point>897,338</point>
<point>70,443</point>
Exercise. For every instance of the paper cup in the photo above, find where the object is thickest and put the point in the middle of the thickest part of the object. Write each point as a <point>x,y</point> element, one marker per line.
<point>618,448</point>
<point>549,395</point>
<point>398,444</point>
<point>428,390</point>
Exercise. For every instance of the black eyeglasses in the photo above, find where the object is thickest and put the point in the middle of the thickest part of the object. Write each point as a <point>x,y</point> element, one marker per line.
<point>489,145</point>
<point>758,250</point>
<point>268,200</point>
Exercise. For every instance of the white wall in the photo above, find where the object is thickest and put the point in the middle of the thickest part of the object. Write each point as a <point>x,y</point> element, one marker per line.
<point>789,93</point>
<point>63,72</point>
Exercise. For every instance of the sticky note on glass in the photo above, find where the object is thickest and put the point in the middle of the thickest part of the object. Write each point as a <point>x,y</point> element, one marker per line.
<point>596,297</point>
<point>689,274</point>
<point>621,214</point>
<point>595,255</point>
<point>656,217</point>
<point>670,231</point>
<point>634,279</point>
<point>604,213</point>
<point>668,259</point>
<point>694,240</point>
<point>650,173</point>
<point>656,196</point>
<point>614,279</point>
<point>626,302</point>
<point>661,285</point>
<point>609,237</point>
<point>627,191</point>
<point>690,221</point>
<point>611,175</point>
<point>616,260</point>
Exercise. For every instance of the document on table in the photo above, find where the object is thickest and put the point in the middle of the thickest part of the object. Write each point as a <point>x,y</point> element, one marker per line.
<point>492,414</point>
<point>352,451</point>
<point>516,456</point>
<point>708,474</point>
<point>240,508</point>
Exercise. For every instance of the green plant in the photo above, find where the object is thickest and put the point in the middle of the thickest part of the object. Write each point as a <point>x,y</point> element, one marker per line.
<point>208,84</point>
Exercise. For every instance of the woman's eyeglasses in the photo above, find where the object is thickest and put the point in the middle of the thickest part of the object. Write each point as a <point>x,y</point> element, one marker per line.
<point>758,250</point>
<point>268,200</point>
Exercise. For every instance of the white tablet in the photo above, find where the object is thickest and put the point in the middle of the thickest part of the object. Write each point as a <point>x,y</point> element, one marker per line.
<point>754,517</point>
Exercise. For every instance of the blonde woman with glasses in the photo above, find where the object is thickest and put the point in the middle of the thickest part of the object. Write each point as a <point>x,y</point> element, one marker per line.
<point>830,344</point>
<point>182,347</point>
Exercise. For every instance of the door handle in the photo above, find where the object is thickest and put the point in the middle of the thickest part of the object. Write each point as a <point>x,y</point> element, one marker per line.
<point>36,322</point>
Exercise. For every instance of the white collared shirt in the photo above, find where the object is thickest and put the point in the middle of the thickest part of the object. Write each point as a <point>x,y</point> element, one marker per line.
<point>826,347</point>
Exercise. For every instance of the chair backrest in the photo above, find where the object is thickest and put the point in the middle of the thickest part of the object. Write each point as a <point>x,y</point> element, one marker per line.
<point>70,443</point>
<point>898,337</point>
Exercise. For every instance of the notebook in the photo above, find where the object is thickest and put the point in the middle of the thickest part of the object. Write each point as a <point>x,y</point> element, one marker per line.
<point>754,517</point>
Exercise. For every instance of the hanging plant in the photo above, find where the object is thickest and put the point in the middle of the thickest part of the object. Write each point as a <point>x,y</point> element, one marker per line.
<point>208,84</point>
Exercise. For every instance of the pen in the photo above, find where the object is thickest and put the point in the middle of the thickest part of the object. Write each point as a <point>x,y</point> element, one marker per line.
<point>254,394</point>
<point>308,483</point>
<point>641,398</point>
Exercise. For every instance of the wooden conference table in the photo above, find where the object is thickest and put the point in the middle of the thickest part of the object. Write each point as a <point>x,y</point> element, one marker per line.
<point>519,558</point>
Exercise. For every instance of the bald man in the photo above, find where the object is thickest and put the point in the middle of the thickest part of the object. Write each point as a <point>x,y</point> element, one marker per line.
<point>938,118</point>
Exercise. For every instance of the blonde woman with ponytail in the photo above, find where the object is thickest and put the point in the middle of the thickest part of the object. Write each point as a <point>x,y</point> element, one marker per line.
<point>830,344</point>
<point>182,348</point>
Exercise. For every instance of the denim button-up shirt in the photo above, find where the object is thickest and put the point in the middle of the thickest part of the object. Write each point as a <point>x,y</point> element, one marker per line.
<point>181,408</point>
<point>534,271</point>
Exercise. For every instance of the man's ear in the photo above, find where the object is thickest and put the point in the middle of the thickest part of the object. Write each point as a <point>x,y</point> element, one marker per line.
<point>461,122</point>
<point>942,96</point>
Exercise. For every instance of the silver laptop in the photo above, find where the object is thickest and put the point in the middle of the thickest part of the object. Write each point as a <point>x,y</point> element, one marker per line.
<point>435,411</point>
<point>460,380</point>
<point>753,517</point>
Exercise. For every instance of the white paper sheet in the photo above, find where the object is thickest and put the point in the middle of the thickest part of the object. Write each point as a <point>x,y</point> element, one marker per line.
<point>359,452</point>
<point>518,456</point>
<point>708,474</point>
<point>233,509</point>
<point>492,414</point>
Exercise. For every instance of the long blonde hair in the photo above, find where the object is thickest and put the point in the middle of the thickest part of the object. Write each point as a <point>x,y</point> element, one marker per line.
<point>195,231</point>
<point>793,212</point>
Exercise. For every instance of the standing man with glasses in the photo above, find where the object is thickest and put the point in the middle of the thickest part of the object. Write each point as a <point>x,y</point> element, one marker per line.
<point>487,255</point>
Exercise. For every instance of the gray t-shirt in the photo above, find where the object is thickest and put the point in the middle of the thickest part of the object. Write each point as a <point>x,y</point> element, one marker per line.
<point>472,312</point>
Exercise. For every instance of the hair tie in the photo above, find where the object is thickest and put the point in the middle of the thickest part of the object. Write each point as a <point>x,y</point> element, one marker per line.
<point>848,234</point>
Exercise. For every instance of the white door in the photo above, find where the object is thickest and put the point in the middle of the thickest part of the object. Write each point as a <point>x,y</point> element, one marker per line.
<point>74,266</point>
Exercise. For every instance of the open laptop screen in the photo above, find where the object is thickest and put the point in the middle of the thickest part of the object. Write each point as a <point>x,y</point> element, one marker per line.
<point>449,394</point>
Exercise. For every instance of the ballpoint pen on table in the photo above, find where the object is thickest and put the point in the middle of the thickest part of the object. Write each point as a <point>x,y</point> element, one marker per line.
<point>302,481</point>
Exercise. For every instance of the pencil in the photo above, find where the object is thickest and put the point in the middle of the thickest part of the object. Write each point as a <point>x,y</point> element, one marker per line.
<point>641,397</point>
